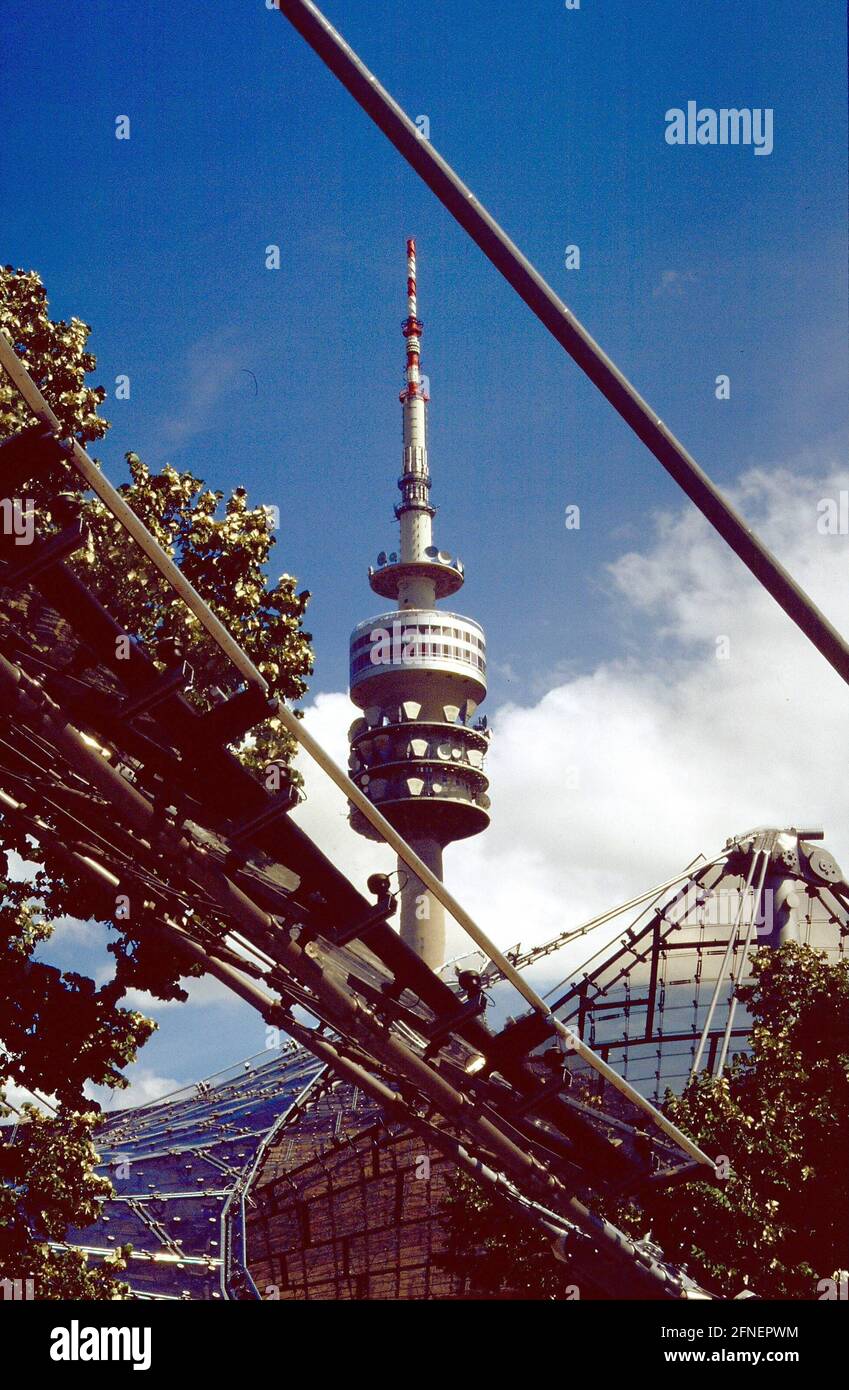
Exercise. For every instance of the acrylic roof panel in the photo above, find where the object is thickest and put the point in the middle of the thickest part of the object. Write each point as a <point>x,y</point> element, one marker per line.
<point>180,1169</point>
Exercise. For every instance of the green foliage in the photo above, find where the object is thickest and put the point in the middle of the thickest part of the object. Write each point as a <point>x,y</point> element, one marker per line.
<point>55,356</point>
<point>223,552</point>
<point>222,545</point>
<point>59,1031</point>
<point>497,1251</point>
<point>780,1223</point>
<point>48,1184</point>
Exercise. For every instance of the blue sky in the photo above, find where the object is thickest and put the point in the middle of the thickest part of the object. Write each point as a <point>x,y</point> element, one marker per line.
<point>694,261</point>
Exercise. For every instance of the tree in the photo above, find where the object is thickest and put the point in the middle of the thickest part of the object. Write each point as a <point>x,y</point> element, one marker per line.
<point>495,1248</point>
<point>58,1031</point>
<point>48,1184</point>
<point>54,354</point>
<point>779,1223</point>
<point>223,552</point>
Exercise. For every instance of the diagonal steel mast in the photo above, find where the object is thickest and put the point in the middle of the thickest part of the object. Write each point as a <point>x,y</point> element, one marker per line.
<point>564,326</point>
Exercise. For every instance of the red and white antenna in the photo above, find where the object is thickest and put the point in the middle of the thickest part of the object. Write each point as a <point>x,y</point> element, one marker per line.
<point>411,277</point>
<point>412,328</point>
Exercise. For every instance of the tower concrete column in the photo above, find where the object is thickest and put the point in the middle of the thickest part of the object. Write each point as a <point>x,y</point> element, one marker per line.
<point>422,923</point>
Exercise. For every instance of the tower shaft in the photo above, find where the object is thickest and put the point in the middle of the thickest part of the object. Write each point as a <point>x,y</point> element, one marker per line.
<point>422,922</point>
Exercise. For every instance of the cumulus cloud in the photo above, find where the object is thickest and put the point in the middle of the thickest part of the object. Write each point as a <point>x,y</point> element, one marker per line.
<point>145,1086</point>
<point>18,870</point>
<point>202,992</point>
<point>324,813</point>
<point>18,1096</point>
<point>718,716</point>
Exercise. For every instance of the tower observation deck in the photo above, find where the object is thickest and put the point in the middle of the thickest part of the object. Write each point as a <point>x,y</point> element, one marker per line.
<point>418,673</point>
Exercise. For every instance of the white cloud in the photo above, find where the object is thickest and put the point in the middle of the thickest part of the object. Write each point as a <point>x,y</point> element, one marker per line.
<point>69,931</point>
<point>18,1096</point>
<point>324,814</point>
<point>202,992</point>
<point>19,870</point>
<point>616,779</point>
<point>145,1085</point>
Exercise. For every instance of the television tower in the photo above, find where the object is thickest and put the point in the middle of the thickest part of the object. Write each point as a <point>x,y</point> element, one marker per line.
<point>418,673</point>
